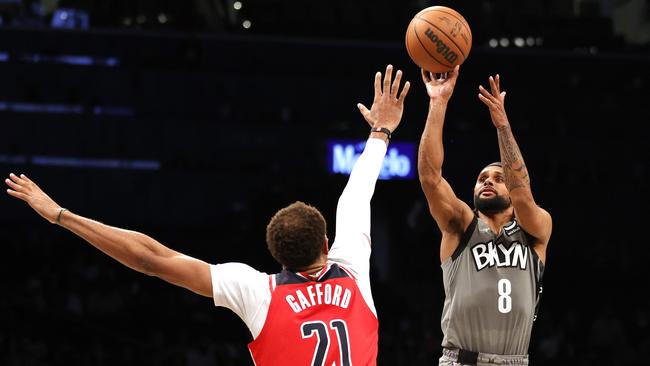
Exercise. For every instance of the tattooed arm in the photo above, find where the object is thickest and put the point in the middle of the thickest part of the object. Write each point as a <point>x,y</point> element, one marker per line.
<point>535,220</point>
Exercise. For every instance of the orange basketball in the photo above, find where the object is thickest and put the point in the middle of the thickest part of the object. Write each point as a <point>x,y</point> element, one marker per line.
<point>438,38</point>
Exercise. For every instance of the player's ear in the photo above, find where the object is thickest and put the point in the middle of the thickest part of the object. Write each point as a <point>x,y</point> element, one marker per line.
<point>326,247</point>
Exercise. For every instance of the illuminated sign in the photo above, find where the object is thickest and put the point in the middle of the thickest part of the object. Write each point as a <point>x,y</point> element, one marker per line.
<point>399,162</point>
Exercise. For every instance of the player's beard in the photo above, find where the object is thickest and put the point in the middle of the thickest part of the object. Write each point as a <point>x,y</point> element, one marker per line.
<point>492,205</point>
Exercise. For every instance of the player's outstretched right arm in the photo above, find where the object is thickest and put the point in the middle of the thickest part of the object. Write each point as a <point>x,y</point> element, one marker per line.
<point>133,249</point>
<point>450,213</point>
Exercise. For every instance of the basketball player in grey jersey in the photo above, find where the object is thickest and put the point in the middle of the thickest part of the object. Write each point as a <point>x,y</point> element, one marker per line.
<point>493,256</point>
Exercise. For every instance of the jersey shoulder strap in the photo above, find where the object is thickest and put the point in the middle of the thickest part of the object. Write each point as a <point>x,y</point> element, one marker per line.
<point>467,235</point>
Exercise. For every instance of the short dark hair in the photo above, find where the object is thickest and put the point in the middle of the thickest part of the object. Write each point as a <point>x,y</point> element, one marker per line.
<point>295,235</point>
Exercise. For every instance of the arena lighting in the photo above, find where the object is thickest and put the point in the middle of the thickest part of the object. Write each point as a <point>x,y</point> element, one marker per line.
<point>246,24</point>
<point>519,42</point>
<point>78,162</point>
<point>78,60</point>
<point>69,18</point>
<point>13,159</point>
<point>399,162</point>
<point>73,162</point>
<point>237,5</point>
<point>58,108</point>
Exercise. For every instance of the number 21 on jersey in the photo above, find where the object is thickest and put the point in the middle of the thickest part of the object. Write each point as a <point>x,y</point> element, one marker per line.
<point>320,330</point>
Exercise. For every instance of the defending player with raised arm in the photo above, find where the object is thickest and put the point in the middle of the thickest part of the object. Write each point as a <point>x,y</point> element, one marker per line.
<point>319,308</point>
<point>492,256</point>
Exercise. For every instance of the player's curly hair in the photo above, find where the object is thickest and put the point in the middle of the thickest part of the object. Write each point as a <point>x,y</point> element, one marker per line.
<point>295,235</point>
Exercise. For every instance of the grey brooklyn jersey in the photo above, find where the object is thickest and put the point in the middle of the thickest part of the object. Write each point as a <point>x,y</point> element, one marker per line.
<point>492,288</point>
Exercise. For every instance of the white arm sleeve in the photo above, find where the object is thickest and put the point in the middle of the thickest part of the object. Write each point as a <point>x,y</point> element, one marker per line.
<point>243,290</point>
<point>351,247</point>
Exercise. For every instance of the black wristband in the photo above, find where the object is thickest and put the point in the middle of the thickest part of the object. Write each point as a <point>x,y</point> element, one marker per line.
<point>382,129</point>
<point>58,217</point>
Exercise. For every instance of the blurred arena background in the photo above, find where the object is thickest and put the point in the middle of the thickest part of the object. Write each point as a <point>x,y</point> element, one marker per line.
<point>194,121</point>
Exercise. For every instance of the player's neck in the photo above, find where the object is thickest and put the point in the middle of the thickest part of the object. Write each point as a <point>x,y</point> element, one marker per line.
<point>496,220</point>
<point>315,268</point>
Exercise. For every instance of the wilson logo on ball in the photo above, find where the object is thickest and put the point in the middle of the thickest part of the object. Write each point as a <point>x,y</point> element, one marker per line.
<point>441,47</point>
<point>438,38</point>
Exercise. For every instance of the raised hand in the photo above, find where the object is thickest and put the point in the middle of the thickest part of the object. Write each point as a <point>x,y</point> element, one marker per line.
<point>387,107</point>
<point>440,87</point>
<point>23,188</point>
<point>495,101</point>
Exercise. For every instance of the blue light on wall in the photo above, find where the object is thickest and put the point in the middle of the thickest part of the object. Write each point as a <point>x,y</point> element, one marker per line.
<point>79,162</point>
<point>70,19</point>
<point>399,162</point>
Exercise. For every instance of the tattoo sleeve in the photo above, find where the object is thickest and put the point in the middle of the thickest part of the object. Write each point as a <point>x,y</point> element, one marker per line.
<point>514,168</point>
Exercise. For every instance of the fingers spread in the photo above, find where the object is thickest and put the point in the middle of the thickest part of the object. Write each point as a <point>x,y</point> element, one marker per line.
<point>16,178</point>
<point>426,76</point>
<point>19,195</point>
<point>395,87</point>
<point>486,97</point>
<point>363,109</point>
<point>367,114</point>
<point>15,186</point>
<point>377,84</point>
<point>387,78</point>
<point>494,87</point>
<point>485,93</point>
<point>405,90</point>
<point>485,100</point>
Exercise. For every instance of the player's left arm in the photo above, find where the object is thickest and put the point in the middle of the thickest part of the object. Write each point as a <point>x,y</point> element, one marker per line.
<point>534,219</point>
<point>353,209</point>
<point>133,249</point>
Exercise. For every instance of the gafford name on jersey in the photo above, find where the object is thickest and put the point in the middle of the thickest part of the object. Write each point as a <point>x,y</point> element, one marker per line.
<point>317,294</point>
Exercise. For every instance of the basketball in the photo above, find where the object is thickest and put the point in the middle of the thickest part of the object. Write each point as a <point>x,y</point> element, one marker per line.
<point>438,38</point>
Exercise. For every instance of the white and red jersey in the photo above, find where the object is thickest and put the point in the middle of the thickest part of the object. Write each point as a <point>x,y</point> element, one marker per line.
<point>322,321</point>
<point>302,320</point>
